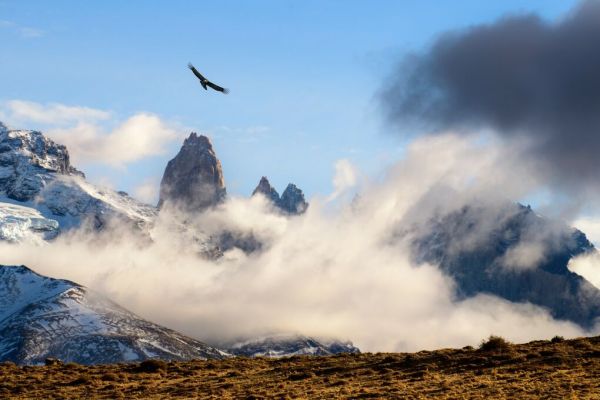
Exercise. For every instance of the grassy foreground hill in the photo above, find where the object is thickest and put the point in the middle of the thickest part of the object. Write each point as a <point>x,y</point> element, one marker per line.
<point>557,369</point>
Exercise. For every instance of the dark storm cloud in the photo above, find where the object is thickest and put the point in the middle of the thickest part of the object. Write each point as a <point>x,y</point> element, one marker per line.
<point>521,76</point>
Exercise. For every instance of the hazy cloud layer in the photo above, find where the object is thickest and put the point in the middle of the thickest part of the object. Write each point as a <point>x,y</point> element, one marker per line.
<point>19,113</point>
<point>26,32</point>
<point>90,134</point>
<point>147,191</point>
<point>345,178</point>
<point>531,81</point>
<point>138,137</point>
<point>329,273</point>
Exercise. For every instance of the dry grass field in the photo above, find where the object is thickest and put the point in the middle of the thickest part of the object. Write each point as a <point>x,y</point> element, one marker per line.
<point>557,369</point>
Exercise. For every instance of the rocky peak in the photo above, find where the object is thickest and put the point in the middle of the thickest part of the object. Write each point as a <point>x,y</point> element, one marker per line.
<point>292,200</point>
<point>36,149</point>
<point>264,187</point>
<point>193,180</point>
<point>27,158</point>
<point>197,141</point>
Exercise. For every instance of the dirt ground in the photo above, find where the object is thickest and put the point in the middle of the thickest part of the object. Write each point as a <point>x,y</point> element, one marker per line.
<point>558,369</point>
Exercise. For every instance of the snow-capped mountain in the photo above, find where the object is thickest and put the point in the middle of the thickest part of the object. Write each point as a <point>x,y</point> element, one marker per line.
<point>36,172</point>
<point>41,195</point>
<point>482,247</point>
<point>290,345</point>
<point>42,317</point>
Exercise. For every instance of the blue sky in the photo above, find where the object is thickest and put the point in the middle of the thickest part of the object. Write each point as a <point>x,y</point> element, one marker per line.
<point>303,75</point>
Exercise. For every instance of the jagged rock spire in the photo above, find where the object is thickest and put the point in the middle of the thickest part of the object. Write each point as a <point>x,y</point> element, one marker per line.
<point>291,201</point>
<point>193,180</point>
<point>264,187</point>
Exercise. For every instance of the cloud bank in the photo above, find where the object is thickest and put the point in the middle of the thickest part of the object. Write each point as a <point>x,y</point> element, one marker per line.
<point>140,136</point>
<point>328,274</point>
<point>88,134</point>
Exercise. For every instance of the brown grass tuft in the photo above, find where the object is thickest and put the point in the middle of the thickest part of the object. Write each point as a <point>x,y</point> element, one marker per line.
<point>152,366</point>
<point>557,339</point>
<point>495,344</point>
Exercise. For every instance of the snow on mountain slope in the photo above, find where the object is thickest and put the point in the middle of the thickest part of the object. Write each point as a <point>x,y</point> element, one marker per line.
<point>36,172</point>
<point>71,200</point>
<point>43,317</point>
<point>290,345</point>
<point>25,224</point>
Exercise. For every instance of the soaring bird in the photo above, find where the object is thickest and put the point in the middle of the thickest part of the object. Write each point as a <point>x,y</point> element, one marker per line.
<point>205,82</point>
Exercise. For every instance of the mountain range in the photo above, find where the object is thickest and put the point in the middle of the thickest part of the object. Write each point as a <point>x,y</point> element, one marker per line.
<point>42,196</point>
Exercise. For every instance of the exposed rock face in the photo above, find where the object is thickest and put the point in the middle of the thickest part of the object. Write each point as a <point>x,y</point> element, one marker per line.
<point>264,187</point>
<point>193,180</point>
<point>42,317</point>
<point>291,202</point>
<point>35,172</point>
<point>26,160</point>
<point>477,246</point>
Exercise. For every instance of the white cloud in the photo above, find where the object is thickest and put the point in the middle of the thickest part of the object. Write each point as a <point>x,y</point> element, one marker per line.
<point>147,191</point>
<point>20,113</point>
<point>140,136</point>
<point>588,266</point>
<point>88,134</point>
<point>329,274</point>
<point>591,228</point>
<point>345,178</point>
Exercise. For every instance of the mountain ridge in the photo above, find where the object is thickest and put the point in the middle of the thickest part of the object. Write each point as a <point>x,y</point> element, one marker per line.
<point>291,202</point>
<point>62,319</point>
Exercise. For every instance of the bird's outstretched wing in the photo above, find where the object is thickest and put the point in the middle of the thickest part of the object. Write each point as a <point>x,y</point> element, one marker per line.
<point>217,87</point>
<point>195,71</point>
